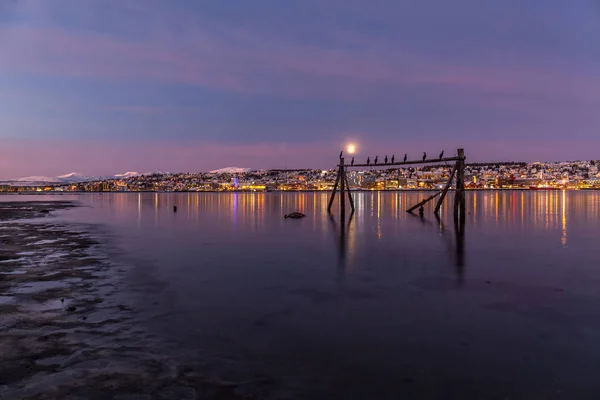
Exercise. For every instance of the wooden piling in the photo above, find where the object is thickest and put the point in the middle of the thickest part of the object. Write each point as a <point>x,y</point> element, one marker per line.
<point>458,171</point>
<point>337,181</point>
<point>342,174</point>
<point>459,197</point>
<point>341,181</point>
<point>445,191</point>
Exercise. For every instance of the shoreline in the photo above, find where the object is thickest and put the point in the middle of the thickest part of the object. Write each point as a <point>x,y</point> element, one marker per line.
<point>20,210</point>
<point>48,293</point>
<point>58,193</point>
<point>69,327</point>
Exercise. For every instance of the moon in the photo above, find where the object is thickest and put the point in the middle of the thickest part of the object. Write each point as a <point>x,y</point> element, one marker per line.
<point>351,149</point>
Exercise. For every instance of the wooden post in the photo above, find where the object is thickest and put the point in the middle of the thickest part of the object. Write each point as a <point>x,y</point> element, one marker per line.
<point>342,189</point>
<point>463,214</point>
<point>337,181</point>
<point>459,197</point>
<point>441,199</point>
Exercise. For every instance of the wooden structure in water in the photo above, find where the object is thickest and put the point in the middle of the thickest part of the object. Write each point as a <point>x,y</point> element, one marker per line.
<point>458,171</point>
<point>342,181</point>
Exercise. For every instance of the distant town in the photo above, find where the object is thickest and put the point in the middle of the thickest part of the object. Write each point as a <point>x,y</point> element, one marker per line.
<point>573,175</point>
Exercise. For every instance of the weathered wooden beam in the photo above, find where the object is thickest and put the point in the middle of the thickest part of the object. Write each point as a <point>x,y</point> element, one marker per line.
<point>433,196</point>
<point>445,190</point>
<point>429,161</point>
<point>337,181</point>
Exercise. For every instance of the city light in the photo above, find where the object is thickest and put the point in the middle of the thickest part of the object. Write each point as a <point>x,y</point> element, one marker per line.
<point>351,148</point>
<point>575,175</point>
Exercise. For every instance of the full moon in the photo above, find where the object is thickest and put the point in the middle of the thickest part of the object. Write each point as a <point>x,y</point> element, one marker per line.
<point>351,148</point>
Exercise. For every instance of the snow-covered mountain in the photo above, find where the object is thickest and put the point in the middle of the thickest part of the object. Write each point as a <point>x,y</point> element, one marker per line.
<point>231,170</point>
<point>67,178</point>
<point>127,175</point>
<point>37,179</point>
<point>74,177</point>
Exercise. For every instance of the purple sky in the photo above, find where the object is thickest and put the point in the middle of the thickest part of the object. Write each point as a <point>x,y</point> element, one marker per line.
<point>108,86</point>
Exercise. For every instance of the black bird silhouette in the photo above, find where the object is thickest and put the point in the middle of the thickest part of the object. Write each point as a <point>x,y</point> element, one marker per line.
<point>368,160</point>
<point>352,162</point>
<point>392,158</point>
<point>405,157</point>
<point>376,157</point>
<point>341,153</point>
<point>385,159</point>
<point>424,156</point>
<point>441,154</point>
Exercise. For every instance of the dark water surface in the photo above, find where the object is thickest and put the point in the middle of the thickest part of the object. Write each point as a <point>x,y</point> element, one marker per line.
<point>384,305</point>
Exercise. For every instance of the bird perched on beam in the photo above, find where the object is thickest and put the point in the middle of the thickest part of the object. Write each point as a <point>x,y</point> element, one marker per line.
<point>441,154</point>
<point>341,153</point>
<point>424,156</point>
<point>392,158</point>
<point>405,157</point>
<point>368,160</point>
<point>352,162</point>
<point>376,157</point>
<point>385,160</point>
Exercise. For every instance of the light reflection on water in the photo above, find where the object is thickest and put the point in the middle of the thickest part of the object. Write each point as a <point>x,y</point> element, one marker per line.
<point>385,296</point>
<point>499,216</point>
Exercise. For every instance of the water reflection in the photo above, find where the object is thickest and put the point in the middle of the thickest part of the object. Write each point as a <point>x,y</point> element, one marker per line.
<point>230,279</point>
<point>345,241</point>
<point>459,238</point>
<point>455,241</point>
<point>139,210</point>
<point>546,210</point>
<point>549,211</point>
<point>563,218</point>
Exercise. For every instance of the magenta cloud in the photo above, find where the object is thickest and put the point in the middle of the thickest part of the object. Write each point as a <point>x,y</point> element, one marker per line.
<point>244,63</point>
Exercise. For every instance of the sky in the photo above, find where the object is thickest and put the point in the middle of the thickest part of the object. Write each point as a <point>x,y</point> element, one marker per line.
<point>108,86</point>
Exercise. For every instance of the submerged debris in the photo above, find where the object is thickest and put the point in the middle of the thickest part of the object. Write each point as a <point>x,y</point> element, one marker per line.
<point>295,215</point>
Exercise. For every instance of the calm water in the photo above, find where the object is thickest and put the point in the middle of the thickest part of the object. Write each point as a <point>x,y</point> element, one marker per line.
<point>385,305</point>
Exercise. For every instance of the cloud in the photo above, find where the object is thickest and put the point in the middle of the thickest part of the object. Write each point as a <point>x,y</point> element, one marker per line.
<point>143,109</point>
<point>188,51</point>
<point>411,74</point>
<point>54,157</point>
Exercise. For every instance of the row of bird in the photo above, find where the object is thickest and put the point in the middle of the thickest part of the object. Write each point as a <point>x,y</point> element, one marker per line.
<point>385,161</point>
